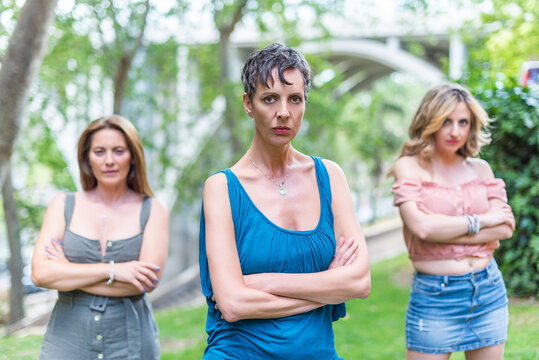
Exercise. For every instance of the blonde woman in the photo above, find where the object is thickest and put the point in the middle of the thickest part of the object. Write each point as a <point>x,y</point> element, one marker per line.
<point>103,249</point>
<point>454,213</point>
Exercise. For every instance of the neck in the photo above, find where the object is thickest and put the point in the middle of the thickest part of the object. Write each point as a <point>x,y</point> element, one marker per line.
<point>276,160</point>
<point>447,159</point>
<point>110,195</point>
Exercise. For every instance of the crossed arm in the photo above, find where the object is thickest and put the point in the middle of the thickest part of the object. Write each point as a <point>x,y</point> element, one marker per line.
<point>51,269</point>
<point>497,223</point>
<point>272,295</point>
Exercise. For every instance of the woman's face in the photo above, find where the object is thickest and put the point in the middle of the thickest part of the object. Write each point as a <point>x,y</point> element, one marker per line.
<point>109,157</point>
<point>454,131</point>
<point>278,109</point>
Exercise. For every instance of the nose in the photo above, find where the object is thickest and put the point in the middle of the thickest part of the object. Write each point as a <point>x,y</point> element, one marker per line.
<point>108,158</point>
<point>455,129</point>
<point>282,112</point>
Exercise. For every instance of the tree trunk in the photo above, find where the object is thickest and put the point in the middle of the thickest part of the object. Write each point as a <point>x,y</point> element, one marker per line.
<point>225,30</point>
<point>120,79</point>
<point>119,82</point>
<point>229,118</point>
<point>20,65</point>
<point>16,295</point>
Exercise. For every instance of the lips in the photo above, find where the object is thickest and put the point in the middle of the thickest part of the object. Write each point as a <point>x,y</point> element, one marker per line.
<point>281,129</point>
<point>452,142</point>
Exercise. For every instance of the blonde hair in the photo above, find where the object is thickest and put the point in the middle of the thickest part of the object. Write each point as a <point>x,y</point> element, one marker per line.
<point>438,103</point>
<point>136,178</point>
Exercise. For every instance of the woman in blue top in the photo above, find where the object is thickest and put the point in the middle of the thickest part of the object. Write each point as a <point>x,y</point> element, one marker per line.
<point>272,272</point>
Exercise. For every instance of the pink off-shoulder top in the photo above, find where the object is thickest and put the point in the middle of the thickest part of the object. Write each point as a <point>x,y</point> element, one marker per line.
<point>468,198</point>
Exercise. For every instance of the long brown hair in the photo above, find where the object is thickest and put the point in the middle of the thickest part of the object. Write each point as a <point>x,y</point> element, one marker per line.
<point>436,106</point>
<point>136,178</point>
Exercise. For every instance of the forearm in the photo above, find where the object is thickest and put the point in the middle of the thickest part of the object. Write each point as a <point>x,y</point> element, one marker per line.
<point>436,227</point>
<point>254,304</point>
<point>116,289</point>
<point>332,286</point>
<point>485,235</point>
<point>66,276</point>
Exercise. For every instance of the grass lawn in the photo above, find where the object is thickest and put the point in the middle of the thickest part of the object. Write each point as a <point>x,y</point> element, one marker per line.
<point>373,328</point>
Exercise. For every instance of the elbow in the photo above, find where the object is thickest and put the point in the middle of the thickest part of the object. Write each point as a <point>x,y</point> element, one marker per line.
<point>507,232</point>
<point>361,288</point>
<point>37,278</point>
<point>364,287</point>
<point>230,311</point>
<point>422,232</point>
<point>230,316</point>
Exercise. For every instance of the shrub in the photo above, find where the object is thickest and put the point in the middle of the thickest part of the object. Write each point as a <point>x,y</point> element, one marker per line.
<point>514,157</point>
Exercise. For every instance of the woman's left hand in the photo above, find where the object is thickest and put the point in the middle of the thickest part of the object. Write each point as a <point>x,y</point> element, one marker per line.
<point>55,251</point>
<point>345,252</point>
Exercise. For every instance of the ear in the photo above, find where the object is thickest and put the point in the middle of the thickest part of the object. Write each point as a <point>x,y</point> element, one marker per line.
<point>247,105</point>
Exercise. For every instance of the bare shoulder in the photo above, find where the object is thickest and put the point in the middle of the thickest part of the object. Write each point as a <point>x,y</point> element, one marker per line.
<point>54,216</point>
<point>215,189</point>
<point>215,182</point>
<point>159,208</point>
<point>337,178</point>
<point>58,202</point>
<point>407,167</point>
<point>333,168</point>
<point>59,198</point>
<point>481,168</point>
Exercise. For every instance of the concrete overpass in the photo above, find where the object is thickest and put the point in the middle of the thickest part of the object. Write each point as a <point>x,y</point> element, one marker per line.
<point>365,60</point>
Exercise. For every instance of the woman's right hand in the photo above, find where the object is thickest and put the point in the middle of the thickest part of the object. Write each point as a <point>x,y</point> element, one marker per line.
<point>498,215</point>
<point>139,274</point>
<point>345,252</point>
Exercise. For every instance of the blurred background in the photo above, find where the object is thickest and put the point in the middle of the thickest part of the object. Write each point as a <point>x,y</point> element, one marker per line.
<point>173,68</point>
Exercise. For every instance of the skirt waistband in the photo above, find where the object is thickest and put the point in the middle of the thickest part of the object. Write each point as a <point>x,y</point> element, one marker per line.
<point>487,271</point>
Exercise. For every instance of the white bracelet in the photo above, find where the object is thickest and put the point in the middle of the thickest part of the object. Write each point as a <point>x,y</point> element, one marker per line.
<point>477,225</point>
<point>111,278</point>
<point>469,223</point>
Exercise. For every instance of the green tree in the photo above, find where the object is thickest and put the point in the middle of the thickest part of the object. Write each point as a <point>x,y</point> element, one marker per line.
<point>494,68</point>
<point>514,156</point>
<point>512,29</point>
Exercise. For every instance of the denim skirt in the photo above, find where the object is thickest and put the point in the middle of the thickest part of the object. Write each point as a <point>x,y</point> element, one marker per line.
<point>457,312</point>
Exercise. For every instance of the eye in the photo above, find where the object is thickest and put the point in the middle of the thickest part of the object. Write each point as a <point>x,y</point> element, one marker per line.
<point>119,151</point>
<point>463,122</point>
<point>269,99</point>
<point>296,99</point>
<point>99,152</point>
<point>447,122</point>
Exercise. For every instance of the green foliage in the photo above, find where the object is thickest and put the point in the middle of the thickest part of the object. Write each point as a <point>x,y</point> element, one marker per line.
<point>494,65</point>
<point>514,157</point>
<point>515,38</point>
<point>44,168</point>
<point>206,69</point>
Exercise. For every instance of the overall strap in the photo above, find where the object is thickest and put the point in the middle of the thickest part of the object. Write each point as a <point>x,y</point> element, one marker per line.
<point>145,212</point>
<point>69,206</point>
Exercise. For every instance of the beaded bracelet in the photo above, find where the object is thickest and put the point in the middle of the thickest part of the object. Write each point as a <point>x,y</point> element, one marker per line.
<point>477,225</point>
<point>473,223</point>
<point>111,278</point>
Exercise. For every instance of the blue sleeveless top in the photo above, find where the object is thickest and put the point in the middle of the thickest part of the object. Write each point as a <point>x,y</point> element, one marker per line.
<point>266,247</point>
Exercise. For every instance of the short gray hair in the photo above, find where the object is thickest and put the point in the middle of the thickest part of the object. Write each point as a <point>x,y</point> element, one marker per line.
<point>260,64</point>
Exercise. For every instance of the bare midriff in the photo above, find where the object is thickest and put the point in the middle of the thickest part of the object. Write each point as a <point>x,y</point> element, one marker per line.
<point>452,266</point>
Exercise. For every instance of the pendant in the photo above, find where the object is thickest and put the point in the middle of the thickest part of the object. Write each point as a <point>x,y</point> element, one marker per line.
<point>282,190</point>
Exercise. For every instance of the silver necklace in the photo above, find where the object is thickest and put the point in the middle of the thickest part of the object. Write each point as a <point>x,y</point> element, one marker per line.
<point>282,189</point>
